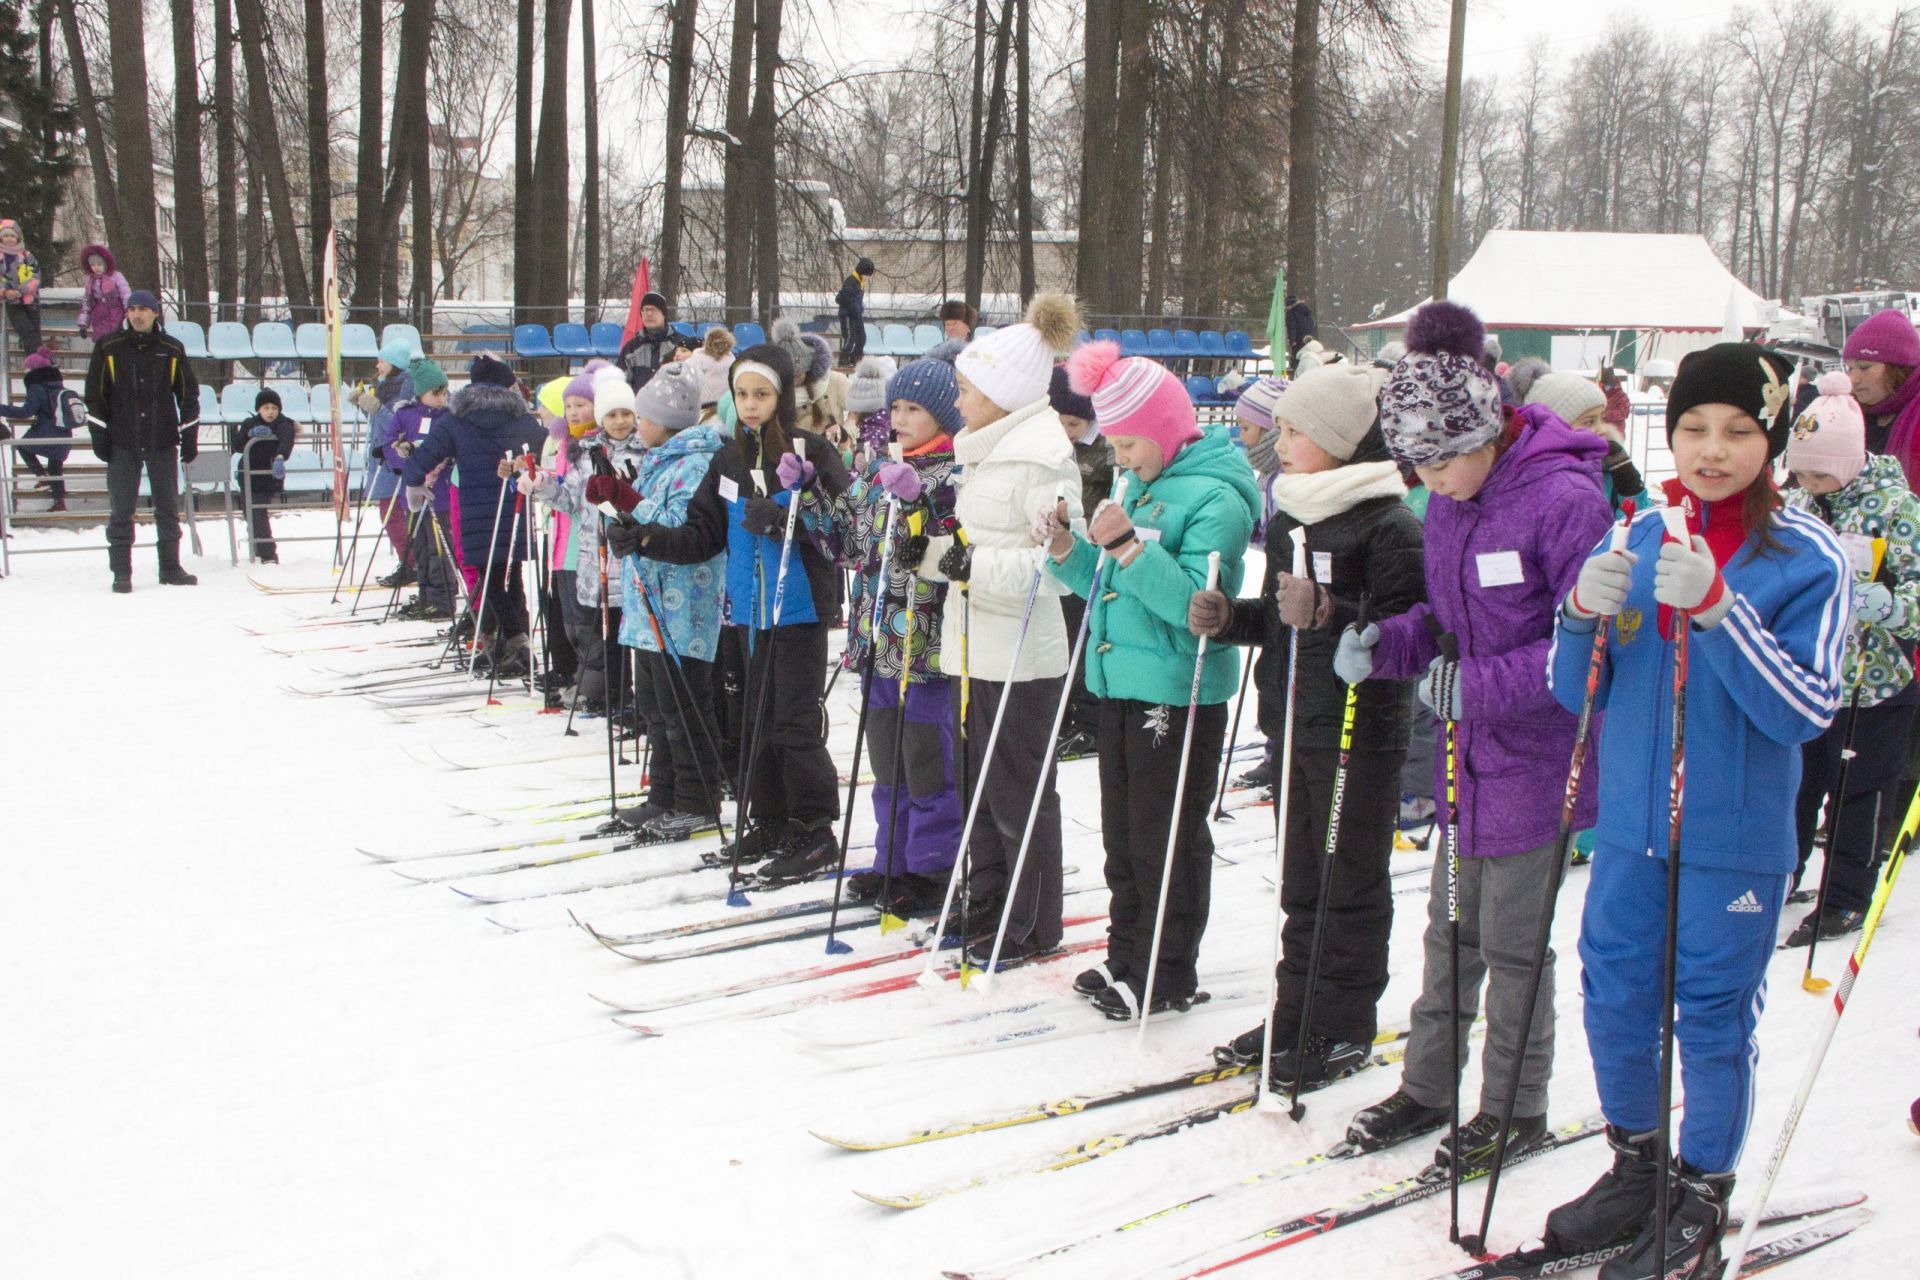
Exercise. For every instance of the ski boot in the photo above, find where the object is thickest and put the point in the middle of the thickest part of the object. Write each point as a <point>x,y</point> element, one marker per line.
<point>1325,1061</point>
<point>1121,1001</point>
<point>1392,1121</point>
<point>1692,1243</point>
<point>1095,980</point>
<point>765,840</point>
<point>628,821</point>
<point>915,896</point>
<point>175,576</point>
<point>979,953</point>
<point>866,886</point>
<point>1261,775</point>
<point>122,584</point>
<point>671,826</point>
<point>1480,1137</point>
<point>1614,1209</point>
<point>810,855</point>
<point>401,577</point>
<point>1834,923</point>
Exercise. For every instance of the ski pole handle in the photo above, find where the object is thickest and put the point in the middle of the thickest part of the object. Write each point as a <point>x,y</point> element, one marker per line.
<point>896,452</point>
<point>1676,522</point>
<point>1213,570</point>
<point>1299,536</point>
<point>1623,527</point>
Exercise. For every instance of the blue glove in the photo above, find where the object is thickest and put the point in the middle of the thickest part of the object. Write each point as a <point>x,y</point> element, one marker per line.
<point>1353,660</point>
<point>1873,604</point>
<point>279,468</point>
<point>261,431</point>
<point>1426,689</point>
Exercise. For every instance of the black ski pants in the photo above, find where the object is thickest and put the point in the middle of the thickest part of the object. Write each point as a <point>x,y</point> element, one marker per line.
<point>1880,756</point>
<point>1022,761</point>
<point>676,706</point>
<point>793,776</point>
<point>162,465</point>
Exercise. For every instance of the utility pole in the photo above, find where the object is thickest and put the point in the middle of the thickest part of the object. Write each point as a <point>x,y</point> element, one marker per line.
<point>1449,151</point>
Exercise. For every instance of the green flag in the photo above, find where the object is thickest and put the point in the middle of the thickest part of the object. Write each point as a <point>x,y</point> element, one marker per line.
<point>1277,321</point>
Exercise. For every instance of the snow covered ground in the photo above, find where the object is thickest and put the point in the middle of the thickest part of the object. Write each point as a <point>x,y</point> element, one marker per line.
<point>233,1046</point>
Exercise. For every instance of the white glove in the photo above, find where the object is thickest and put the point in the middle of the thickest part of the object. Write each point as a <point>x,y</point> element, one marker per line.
<point>1686,577</point>
<point>1602,588</point>
<point>1353,659</point>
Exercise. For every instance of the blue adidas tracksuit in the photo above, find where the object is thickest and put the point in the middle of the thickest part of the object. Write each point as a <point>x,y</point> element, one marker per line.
<point>1760,683</point>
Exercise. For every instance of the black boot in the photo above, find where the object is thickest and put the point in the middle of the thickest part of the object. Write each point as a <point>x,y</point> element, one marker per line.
<point>1480,1138</point>
<point>1325,1061</point>
<point>765,840</point>
<point>1834,923</point>
<point>175,576</point>
<point>1097,979</point>
<point>915,896</point>
<point>811,855</point>
<point>1616,1207</point>
<point>1392,1121</point>
<point>1692,1244</point>
<point>122,584</point>
<point>1122,1000</point>
<point>401,577</point>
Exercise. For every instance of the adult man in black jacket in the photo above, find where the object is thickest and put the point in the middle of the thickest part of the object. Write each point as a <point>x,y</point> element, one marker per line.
<point>143,410</point>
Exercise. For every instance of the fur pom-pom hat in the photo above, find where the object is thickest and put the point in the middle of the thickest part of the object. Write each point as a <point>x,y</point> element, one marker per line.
<point>1013,366</point>
<point>717,342</point>
<point>1831,436</point>
<point>1134,397</point>
<point>1441,400</point>
<point>867,391</point>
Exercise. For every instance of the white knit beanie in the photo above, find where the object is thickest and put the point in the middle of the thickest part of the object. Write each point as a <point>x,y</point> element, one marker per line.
<point>1568,394</point>
<point>1333,405</point>
<point>1013,366</point>
<point>610,392</point>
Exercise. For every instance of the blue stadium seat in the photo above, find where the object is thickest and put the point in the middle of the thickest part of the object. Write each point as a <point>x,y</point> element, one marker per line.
<point>1133,343</point>
<point>293,400</point>
<point>357,342</point>
<point>982,330</point>
<point>1238,344</point>
<point>320,399</point>
<point>899,340</point>
<point>1185,342</point>
<point>606,339</point>
<point>404,333</point>
<point>229,340</point>
<point>191,336</point>
<point>273,340</point>
<point>1082,338</point>
<point>310,340</point>
<point>681,327</point>
<point>1211,343</point>
<point>573,341</point>
<point>1106,335</point>
<point>531,341</point>
<point>875,344</point>
<point>1199,390</point>
<point>1159,343</point>
<point>748,334</point>
<point>209,400</point>
<point>928,336</point>
<point>236,401</point>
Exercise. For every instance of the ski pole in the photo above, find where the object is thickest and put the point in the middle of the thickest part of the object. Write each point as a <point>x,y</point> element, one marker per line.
<point>1443,685</point>
<point>506,576</point>
<point>687,711</point>
<point>366,574</point>
<point>1059,718</point>
<point>964,790</point>
<point>1808,982</point>
<point>889,922</point>
<point>1543,937</point>
<point>1676,522</point>
<point>486,579</point>
<point>1220,813</point>
<point>891,513</point>
<point>928,978</point>
<point>1888,875</point>
<point>1174,823</point>
<point>1283,795</point>
<point>736,897</point>
<point>1295,1109</point>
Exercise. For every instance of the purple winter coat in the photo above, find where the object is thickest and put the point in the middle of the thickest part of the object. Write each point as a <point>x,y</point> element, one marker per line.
<point>1542,502</point>
<point>103,300</point>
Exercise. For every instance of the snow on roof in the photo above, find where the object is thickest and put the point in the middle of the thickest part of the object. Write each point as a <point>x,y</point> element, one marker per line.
<point>1598,280</point>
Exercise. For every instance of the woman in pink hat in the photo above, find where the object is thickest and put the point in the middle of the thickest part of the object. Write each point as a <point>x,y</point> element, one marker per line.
<point>1881,356</point>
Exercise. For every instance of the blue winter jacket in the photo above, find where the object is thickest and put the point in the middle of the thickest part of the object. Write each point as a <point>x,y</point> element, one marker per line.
<point>753,560</point>
<point>395,390</point>
<point>486,424</point>
<point>43,407</point>
<point>685,598</point>
<point>1759,684</point>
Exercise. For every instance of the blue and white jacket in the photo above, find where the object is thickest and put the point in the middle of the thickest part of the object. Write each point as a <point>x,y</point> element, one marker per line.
<point>1759,684</point>
<point>686,597</point>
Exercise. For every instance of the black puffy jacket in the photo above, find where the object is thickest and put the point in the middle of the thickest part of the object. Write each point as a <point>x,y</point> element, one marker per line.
<point>140,390</point>
<point>1370,547</point>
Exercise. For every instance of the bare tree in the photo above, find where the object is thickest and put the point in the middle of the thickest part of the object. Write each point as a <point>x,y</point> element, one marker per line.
<point>593,273</point>
<point>226,159</point>
<point>269,156</point>
<point>369,247</point>
<point>319,143</point>
<point>189,206</point>
<point>683,20</point>
<point>553,210</point>
<point>137,244</point>
<point>738,214</point>
<point>761,143</point>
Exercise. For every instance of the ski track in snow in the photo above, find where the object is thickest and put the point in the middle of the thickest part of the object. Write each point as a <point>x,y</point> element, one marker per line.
<point>237,1047</point>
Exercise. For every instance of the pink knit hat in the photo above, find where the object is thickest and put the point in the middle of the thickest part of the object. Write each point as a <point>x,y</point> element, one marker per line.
<point>1886,336</point>
<point>1134,397</point>
<point>40,359</point>
<point>1831,436</point>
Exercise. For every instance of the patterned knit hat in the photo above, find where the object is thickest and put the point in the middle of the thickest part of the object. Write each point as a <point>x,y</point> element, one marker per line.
<point>867,392</point>
<point>931,385</point>
<point>670,398</point>
<point>1134,397</point>
<point>1831,436</point>
<point>1749,378</point>
<point>1255,405</point>
<point>1441,400</point>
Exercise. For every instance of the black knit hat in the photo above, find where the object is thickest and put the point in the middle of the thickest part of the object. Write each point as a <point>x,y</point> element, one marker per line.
<point>490,372</point>
<point>267,396</point>
<point>652,299</point>
<point>1750,378</point>
<point>1064,399</point>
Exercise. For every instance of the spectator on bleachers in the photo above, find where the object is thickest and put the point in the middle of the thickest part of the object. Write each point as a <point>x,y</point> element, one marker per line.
<point>19,285</point>
<point>143,411</point>
<point>852,301</point>
<point>957,320</point>
<point>392,387</point>
<point>711,363</point>
<point>652,347</point>
<point>103,300</point>
<point>48,407</point>
<point>263,443</point>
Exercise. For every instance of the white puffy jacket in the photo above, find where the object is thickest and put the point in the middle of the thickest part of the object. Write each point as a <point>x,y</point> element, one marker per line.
<point>1009,470</point>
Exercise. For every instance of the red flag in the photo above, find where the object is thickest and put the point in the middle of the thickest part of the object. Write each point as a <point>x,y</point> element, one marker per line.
<point>640,287</point>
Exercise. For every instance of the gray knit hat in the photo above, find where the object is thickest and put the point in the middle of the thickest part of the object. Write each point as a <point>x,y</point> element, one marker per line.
<point>1441,401</point>
<point>670,398</point>
<point>1568,394</point>
<point>1334,405</point>
<point>867,392</point>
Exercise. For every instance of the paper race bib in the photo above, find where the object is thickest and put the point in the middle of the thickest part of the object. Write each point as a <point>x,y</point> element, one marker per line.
<point>1323,567</point>
<point>729,488</point>
<point>1499,568</point>
<point>1146,534</point>
<point>1859,552</point>
<point>760,483</point>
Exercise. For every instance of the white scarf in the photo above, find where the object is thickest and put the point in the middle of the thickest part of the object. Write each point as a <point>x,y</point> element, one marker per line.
<point>1315,496</point>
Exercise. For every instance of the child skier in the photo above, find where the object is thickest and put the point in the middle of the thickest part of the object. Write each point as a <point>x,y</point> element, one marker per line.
<point>1093,455</point>
<point>432,552</point>
<point>103,299</point>
<point>392,388</point>
<point>1764,594</point>
<point>792,794</point>
<point>20,285</point>
<point>1860,497</point>
<point>670,543</point>
<point>56,412</point>
<point>261,445</point>
<point>1253,411</point>
<point>1583,406</point>
<point>1015,460</point>
<point>1363,542</point>
<point>1193,496</point>
<point>1515,504</point>
<point>909,711</point>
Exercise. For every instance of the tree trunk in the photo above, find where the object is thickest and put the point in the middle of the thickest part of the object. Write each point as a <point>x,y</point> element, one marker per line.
<point>409,120</point>
<point>524,193</point>
<point>1160,255</point>
<point>189,204</point>
<point>685,20</point>
<point>269,156</point>
<point>98,158</point>
<point>1449,154</point>
<point>368,249</point>
<point>550,168</point>
<point>1303,155</point>
<point>138,245</point>
<point>420,291</point>
<point>254,282</point>
<point>1125,239</point>
<point>226,159</point>
<point>1096,152</point>
<point>319,148</point>
<point>980,183</point>
<point>760,146</point>
<point>1023,153</point>
<point>593,275</point>
<point>737,199</point>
